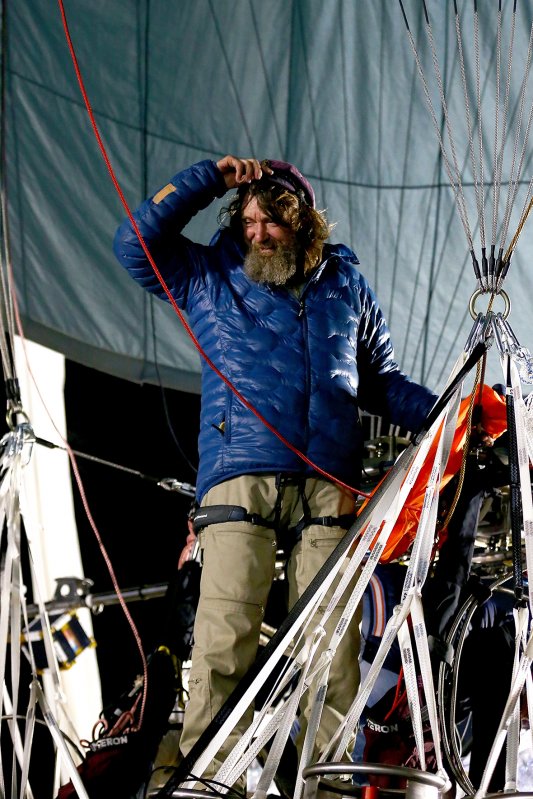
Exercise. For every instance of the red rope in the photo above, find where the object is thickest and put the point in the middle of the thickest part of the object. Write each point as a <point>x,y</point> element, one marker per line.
<point>184,322</point>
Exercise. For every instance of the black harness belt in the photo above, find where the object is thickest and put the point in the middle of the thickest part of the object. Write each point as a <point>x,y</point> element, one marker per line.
<point>219,514</point>
<point>222,514</point>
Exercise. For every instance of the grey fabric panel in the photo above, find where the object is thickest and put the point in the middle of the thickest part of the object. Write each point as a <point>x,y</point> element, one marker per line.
<point>328,84</point>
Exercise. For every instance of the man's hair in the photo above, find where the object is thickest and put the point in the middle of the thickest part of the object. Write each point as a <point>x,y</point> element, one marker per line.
<point>309,226</point>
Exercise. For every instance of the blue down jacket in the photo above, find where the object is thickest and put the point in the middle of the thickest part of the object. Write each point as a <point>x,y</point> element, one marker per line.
<point>306,364</point>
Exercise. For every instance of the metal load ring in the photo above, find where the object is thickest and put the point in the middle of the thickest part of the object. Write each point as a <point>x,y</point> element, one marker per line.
<point>478,292</point>
<point>12,415</point>
<point>435,784</point>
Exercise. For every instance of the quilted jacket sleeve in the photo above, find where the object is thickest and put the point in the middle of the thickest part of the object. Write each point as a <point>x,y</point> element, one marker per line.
<point>384,389</point>
<point>160,220</point>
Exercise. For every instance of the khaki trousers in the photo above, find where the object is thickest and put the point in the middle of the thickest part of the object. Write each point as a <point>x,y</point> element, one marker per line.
<point>238,570</point>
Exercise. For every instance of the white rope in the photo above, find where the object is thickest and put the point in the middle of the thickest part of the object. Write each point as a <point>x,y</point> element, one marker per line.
<point>480,131</point>
<point>462,66</point>
<point>514,176</point>
<point>496,133</point>
<point>499,167</point>
<point>456,187</point>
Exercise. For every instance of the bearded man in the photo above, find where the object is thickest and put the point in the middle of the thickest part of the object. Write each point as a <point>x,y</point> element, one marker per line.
<point>296,329</point>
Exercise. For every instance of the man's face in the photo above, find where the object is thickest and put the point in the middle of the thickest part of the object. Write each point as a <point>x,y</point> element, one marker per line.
<point>272,251</point>
<point>262,232</point>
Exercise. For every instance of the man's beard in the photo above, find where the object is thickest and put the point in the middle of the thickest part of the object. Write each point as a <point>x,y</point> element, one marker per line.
<point>278,268</point>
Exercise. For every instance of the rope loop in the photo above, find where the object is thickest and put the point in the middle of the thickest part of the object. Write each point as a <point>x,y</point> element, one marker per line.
<point>478,292</point>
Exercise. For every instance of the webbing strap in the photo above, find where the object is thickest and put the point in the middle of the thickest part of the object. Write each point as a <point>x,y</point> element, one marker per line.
<point>210,741</point>
<point>516,688</point>
<point>60,742</point>
<point>221,514</point>
<point>15,451</point>
<point>521,619</point>
<point>400,488</point>
<point>428,515</point>
<point>523,666</point>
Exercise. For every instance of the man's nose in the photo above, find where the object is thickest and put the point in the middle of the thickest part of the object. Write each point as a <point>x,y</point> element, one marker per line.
<point>260,232</point>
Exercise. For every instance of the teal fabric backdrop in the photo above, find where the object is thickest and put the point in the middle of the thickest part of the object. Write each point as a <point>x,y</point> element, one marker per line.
<point>331,85</point>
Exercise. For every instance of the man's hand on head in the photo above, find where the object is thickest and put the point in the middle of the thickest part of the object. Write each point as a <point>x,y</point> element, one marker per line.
<point>239,171</point>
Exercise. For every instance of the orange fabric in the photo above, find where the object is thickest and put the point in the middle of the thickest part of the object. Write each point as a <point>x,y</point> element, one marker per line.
<point>493,422</point>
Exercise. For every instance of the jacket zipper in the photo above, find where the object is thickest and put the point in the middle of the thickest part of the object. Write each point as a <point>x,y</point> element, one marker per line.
<point>303,316</point>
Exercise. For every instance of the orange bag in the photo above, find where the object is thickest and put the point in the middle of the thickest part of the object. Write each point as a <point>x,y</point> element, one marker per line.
<point>494,423</point>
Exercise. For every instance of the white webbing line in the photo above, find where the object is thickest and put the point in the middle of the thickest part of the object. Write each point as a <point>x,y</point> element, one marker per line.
<point>22,752</point>
<point>520,671</point>
<point>15,621</point>
<point>365,689</point>
<point>521,619</point>
<point>282,735</point>
<point>60,742</point>
<point>419,562</point>
<point>513,182</point>
<point>370,530</point>
<point>241,758</point>
<point>10,481</point>
<point>58,698</point>
<point>516,688</point>
<point>523,466</point>
<point>15,451</point>
<point>414,580</point>
<point>388,499</point>
<point>354,714</point>
<point>218,739</point>
<point>53,685</point>
<point>411,680</point>
<point>427,523</point>
<point>243,754</point>
<point>369,533</point>
<point>399,498</point>
<point>528,733</point>
<point>424,658</point>
<point>422,561</point>
<point>457,189</point>
<point>521,615</point>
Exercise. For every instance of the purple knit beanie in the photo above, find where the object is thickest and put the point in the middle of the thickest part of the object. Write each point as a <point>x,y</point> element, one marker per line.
<point>290,178</point>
